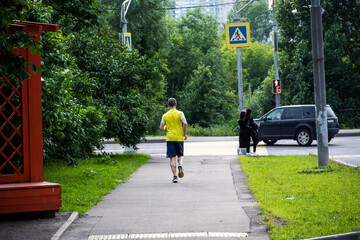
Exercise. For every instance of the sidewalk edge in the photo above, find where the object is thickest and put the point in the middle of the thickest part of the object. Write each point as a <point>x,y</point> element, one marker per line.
<point>63,228</point>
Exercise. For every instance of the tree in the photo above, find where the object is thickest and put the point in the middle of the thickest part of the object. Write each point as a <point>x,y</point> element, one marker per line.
<point>92,87</point>
<point>263,99</point>
<point>259,16</point>
<point>256,61</point>
<point>128,86</point>
<point>146,21</point>
<point>206,99</point>
<point>199,74</point>
<point>75,15</point>
<point>341,49</point>
<point>196,35</point>
<point>13,67</point>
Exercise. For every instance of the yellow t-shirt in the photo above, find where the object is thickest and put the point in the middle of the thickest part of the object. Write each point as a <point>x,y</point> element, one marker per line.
<point>172,120</point>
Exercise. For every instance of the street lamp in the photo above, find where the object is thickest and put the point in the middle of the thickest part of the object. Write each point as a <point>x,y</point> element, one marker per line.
<point>123,22</point>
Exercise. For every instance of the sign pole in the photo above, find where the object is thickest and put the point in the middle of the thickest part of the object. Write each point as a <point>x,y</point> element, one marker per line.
<point>319,83</point>
<point>239,65</point>
<point>276,61</point>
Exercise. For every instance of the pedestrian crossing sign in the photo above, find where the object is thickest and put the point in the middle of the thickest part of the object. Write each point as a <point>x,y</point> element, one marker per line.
<point>127,41</point>
<point>238,34</point>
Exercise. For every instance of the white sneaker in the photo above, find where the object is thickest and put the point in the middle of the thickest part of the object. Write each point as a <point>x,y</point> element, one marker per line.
<point>254,154</point>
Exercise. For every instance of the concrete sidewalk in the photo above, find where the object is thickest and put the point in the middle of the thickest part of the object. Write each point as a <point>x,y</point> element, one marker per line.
<point>212,201</point>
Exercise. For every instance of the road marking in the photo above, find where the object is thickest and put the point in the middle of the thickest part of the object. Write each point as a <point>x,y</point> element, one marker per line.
<point>169,235</point>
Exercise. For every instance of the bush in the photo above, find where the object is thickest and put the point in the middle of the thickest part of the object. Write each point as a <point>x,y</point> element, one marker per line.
<point>228,129</point>
<point>72,124</point>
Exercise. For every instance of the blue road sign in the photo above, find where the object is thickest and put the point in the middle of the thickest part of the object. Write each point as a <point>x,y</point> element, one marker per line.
<point>238,34</point>
<point>127,41</point>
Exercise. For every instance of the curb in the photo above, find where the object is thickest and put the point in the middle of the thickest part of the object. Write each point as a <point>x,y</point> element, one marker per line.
<point>345,236</point>
<point>348,133</point>
<point>342,133</point>
<point>341,163</point>
<point>65,226</point>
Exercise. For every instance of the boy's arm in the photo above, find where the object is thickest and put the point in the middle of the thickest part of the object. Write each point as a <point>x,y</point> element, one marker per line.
<point>185,125</point>
<point>162,126</point>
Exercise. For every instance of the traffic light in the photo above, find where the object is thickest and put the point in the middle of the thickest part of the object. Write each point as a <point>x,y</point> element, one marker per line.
<point>276,86</point>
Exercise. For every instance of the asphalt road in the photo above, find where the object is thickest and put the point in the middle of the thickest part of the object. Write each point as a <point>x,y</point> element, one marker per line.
<point>341,148</point>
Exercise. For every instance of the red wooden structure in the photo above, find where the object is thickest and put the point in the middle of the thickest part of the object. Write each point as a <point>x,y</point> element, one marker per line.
<point>22,186</point>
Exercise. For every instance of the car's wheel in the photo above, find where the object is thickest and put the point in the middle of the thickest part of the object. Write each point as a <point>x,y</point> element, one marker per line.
<point>303,137</point>
<point>270,141</point>
<point>329,140</point>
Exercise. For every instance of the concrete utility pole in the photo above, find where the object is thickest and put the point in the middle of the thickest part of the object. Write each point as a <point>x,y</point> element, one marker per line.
<point>276,61</point>
<point>319,83</point>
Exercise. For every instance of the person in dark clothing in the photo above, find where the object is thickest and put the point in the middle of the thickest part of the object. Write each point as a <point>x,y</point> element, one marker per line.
<point>242,131</point>
<point>251,131</point>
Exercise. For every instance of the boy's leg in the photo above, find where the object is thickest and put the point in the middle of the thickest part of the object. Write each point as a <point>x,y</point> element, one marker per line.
<point>180,155</point>
<point>181,160</point>
<point>173,165</point>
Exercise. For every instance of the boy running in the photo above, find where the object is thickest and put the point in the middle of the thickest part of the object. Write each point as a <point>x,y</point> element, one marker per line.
<point>175,123</point>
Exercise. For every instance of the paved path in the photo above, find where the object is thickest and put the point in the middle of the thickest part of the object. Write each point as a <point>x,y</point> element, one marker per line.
<point>212,201</point>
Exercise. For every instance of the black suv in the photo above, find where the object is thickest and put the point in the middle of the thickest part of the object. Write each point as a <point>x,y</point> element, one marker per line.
<point>294,122</point>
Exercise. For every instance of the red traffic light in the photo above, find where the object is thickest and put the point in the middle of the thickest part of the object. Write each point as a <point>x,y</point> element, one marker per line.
<point>276,86</point>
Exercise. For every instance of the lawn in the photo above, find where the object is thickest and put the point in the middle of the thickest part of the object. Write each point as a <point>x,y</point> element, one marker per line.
<point>301,203</point>
<point>85,185</point>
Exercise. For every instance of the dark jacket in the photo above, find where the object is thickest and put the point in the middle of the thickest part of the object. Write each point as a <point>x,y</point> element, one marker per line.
<point>242,134</point>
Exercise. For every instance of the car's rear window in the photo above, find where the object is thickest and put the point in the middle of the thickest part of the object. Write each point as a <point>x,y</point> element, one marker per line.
<point>308,112</point>
<point>330,112</point>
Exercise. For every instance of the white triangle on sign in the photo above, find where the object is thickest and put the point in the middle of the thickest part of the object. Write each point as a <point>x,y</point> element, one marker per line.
<point>238,36</point>
<point>127,42</point>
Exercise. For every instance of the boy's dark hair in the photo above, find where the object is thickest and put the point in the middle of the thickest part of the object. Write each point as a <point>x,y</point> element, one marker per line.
<point>172,102</point>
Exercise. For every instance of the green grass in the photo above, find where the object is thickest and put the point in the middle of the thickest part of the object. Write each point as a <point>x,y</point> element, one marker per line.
<point>301,203</point>
<point>85,185</point>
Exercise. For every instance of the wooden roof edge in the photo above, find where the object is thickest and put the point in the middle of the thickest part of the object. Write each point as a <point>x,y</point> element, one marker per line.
<point>45,26</point>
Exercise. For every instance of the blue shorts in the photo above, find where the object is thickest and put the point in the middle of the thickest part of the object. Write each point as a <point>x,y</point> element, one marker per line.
<point>174,149</point>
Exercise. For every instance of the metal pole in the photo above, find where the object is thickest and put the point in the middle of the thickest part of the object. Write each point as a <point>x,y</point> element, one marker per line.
<point>249,92</point>
<point>239,65</point>
<point>123,22</point>
<point>276,61</point>
<point>319,83</point>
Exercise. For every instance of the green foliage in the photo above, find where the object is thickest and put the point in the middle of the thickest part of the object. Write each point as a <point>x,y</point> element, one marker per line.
<point>259,16</point>
<point>184,57</point>
<point>298,205</point>
<point>263,99</point>
<point>84,186</point>
<point>257,61</point>
<point>206,101</point>
<point>75,15</point>
<point>199,76</point>
<point>149,28</point>
<point>229,128</point>
<point>72,124</point>
<point>128,86</point>
<point>13,67</point>
<point>342,58</point>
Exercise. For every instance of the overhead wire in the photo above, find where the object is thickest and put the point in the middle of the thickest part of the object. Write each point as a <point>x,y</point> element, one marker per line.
<point>176,8</point>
